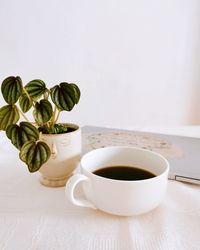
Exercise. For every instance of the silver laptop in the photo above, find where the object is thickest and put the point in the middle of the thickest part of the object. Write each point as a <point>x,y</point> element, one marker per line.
<point>183,153</point>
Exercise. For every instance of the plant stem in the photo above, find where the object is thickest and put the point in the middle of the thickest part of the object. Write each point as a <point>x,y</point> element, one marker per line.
<point>57,117</point>
<point>52,122</point>
<point>46,94</point>
<point>23,115</point>
<point>47,124</point>
<point>40,134</point>
<point>33,103</point>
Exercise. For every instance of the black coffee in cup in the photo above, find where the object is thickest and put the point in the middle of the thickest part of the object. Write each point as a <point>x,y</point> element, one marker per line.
<point>124,173</point>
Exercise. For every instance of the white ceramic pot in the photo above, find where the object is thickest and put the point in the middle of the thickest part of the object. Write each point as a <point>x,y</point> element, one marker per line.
<point>65,157</point>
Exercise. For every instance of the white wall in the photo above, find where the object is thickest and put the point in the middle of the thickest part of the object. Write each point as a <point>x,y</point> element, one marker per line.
<point>134,60</point>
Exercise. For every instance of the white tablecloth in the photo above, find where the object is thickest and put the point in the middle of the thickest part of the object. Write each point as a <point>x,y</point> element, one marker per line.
<point>36,217</point>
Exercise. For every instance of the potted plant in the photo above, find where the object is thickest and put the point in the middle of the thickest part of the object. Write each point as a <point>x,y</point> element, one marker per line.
<point>44,144</point>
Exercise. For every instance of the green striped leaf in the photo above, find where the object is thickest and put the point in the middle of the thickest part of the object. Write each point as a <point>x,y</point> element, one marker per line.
<point>35,154</point>
<point>9,114</point>
<point>11,89</point>
<point>25,103</point>
<point>36,88</point>
<point>65,96</point>
<point>77,92</point>
<point>22,133</point>
<point>43,111</point>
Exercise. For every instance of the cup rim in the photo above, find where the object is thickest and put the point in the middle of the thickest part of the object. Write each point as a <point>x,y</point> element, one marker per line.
<point>166,171</point>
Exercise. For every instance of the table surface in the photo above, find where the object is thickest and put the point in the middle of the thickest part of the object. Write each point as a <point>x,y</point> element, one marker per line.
<point>36,217</point>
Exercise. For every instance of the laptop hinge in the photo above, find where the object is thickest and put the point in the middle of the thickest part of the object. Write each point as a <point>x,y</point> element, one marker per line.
<point>187,179</point>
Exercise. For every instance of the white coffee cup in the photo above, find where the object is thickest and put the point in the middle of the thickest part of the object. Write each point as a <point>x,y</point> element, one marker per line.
<point>120,197</point>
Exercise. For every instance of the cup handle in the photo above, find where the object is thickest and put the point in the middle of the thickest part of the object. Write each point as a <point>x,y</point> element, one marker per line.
<point>69,191</point>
